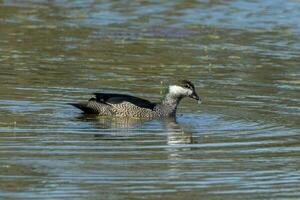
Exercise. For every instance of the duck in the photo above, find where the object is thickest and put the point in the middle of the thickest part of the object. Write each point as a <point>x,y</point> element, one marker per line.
<point>123,105</point>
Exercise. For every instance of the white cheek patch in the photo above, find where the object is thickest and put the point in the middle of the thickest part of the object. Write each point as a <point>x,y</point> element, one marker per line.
<point>177,90</point>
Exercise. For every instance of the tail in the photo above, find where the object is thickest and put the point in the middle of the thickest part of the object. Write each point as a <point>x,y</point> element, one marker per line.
<point>84,107</point>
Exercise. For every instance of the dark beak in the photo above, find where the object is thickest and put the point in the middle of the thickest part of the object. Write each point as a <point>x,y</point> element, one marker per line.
<point>195,96</point>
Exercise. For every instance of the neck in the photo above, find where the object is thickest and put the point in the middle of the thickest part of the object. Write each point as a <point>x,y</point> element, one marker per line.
<point>170,103</point>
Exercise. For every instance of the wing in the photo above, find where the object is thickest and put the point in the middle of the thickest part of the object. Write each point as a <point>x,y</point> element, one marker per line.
<point>86,107</point>
<point>110,98</point>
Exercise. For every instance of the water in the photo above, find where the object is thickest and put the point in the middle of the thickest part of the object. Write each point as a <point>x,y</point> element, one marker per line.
<point>242,142</point>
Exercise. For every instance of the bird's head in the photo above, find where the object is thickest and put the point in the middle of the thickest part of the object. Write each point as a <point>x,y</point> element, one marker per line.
<point>184,88</point>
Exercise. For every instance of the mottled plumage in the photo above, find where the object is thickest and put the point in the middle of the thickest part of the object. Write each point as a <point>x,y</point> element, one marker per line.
<point>129,106</point>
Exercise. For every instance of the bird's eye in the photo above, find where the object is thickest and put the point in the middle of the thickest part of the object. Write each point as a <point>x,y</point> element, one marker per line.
<point>188,86</point>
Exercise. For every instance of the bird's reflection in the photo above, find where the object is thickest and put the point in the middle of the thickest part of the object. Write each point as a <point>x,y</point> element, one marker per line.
<point>176,133</point>
<point>119,124</point>
<point>121,127</point>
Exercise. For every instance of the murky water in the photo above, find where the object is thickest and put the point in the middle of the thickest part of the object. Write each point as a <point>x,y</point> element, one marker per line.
<point>242,142</point>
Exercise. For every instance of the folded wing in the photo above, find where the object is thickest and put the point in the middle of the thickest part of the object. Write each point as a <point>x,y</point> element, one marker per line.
<point>111,98</point>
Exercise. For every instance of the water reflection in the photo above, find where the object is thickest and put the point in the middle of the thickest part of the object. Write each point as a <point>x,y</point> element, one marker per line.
<point>176,133</point>
<point>125,127</point>
<point>118,123</point>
